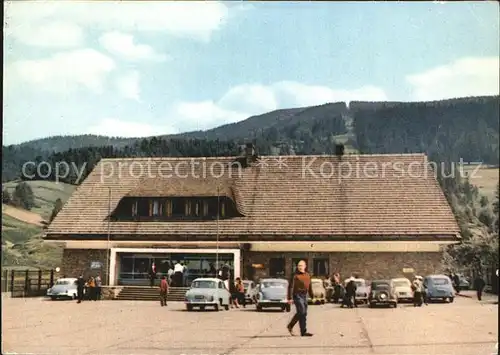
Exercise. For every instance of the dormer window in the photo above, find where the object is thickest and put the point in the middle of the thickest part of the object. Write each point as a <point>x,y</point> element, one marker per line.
<point>175,208</point>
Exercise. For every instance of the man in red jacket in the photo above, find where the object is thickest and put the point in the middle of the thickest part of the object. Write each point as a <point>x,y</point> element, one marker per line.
<point>299,287</point>
<point>163,291</point>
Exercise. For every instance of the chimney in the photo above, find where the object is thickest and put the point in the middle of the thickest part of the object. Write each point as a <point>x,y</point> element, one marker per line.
<point>249,153</point>
<point>339,150</point>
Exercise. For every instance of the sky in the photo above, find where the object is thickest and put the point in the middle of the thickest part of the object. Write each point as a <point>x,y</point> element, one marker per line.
<point>140,68</point>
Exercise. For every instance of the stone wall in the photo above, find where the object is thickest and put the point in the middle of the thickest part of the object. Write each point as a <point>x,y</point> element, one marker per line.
<point>76,261</point>
<point>366,265</point>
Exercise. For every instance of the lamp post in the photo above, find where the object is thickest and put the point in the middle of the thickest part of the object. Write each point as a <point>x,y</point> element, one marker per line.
<point>217,236</point>
<point>109,233</point>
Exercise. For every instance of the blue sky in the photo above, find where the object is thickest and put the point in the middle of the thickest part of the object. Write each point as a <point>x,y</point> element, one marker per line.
<point>149,68</point>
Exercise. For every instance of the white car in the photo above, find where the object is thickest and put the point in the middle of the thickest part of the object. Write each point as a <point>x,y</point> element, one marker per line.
<point>64,288</point>
<point>403,289</point>
<point>207,292</point>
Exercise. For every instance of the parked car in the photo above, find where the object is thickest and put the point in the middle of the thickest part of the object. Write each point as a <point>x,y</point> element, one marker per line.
<point>273,293</point>
<point>403,289</point>
<point>464,283</point>
<point>319,292</point>
<point>207,292</point>
<point>362,291</point>
<point>382,292</point>
<point>250,291</point>
<point>439,287</point>
<point>66,288</point>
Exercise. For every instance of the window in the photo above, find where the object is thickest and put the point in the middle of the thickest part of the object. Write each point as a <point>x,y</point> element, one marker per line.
<point>134,208</point>
<point>205,208</point>
<point>177,207</point>
<point>222,209</point>
<point>187,208</point>
<point>155,208</point>
<point>168,208</point>
<point>320,267</point>
<point>277,267</point>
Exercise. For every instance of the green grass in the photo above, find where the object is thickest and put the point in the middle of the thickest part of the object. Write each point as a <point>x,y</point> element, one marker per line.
<point>46,193</point>
<point>29,250</point>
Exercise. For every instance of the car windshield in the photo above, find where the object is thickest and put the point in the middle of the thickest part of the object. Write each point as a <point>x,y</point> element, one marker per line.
<point>402,283</point>
<point>273,284</point>
<point>203,284</point>
<point>359,283</point>
<point>380,285</point>
<point>440,281</point>
<point>63,282</point>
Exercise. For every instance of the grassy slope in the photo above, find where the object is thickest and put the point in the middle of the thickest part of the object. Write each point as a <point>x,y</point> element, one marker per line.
<point>22,244</point>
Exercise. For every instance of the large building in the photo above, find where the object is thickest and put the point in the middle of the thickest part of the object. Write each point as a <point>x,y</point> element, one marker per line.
<point>374,215</point>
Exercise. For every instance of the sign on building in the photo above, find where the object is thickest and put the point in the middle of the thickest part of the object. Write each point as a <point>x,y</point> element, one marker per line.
<point>408,270</point>
<point>95,265</point>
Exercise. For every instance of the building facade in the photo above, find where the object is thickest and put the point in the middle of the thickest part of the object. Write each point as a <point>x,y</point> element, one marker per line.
<point>374,215</point>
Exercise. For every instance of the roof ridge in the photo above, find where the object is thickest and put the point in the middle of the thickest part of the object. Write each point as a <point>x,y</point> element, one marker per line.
<point>267,156</point>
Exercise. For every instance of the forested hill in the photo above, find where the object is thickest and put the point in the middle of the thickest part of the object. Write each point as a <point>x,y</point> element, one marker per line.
<point>464,128</point>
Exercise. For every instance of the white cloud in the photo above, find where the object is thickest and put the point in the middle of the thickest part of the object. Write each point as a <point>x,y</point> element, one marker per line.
<point>118,128</point>
<point>63,72</point>
<point>53,34</point>
<point>128,85</point>
<point>463,77</point>
<point>188,19</point>
<point>310,95</point>
<point>249,98</point>
<point>123,45</point>
<point>205,114</point>
<point>243,101</point>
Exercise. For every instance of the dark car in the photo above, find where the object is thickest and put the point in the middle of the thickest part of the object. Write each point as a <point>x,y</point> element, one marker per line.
<point>382,293</point>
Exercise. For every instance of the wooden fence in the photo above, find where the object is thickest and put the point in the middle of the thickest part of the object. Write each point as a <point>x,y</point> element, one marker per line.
<point>27,283</point>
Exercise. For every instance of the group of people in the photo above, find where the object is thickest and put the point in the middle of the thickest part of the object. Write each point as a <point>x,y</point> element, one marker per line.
<point>177,274</point>
<point>89,289</point>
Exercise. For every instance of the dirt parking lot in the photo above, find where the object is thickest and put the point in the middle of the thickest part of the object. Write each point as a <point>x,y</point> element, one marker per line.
<point>39,326</point>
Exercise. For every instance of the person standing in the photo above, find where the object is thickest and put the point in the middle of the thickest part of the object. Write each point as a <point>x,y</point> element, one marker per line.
<point>299,287</point>
<point>178,269</point>
<point>91,288</point>
<point>98,286</point>
<point>152,275</point>
<point>80,285</point>
<point>417,291</point>
<point>350,293</point>
<point>479,286</point>
<point>456,282</point>
<point>163,291</point>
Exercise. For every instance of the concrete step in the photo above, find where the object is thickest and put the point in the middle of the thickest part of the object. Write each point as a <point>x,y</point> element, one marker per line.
<point>138,293</point>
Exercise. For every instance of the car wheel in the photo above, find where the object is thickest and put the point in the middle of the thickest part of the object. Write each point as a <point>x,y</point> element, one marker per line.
<point>447,300</point>
<point>202,308</point>
<point>53,298</point>
<point>288,308</point>
<point>371,305</point>
<point>259,308</point>
<point>395,305</point>
<point>322,301</point>
<point>226,307</point>
<point>452,299</point>
<point>216,307</point>
<point>74,296</point>
<point>189,308</point>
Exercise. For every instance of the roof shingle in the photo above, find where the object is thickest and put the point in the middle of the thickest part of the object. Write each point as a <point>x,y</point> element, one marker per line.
<point>355,195</point>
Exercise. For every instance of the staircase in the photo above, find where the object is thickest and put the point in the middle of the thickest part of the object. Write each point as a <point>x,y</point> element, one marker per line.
<point>145,293</point>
